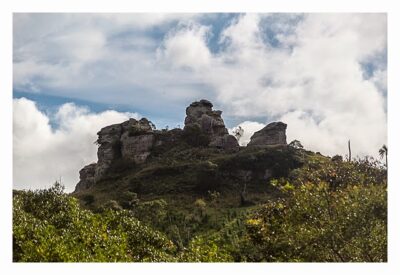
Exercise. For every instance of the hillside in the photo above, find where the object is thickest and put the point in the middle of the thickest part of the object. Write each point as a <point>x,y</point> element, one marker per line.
<point>198,196</point>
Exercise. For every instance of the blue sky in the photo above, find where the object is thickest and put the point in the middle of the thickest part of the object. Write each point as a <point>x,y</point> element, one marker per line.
<point>322,74</point>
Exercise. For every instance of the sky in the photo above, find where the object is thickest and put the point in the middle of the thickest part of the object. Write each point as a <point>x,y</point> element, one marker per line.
<point>325,75</point>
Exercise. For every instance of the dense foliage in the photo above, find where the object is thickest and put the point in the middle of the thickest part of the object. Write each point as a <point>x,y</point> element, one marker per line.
<point>50,226</point>
<point>315,223</point>
<point>313,209</point>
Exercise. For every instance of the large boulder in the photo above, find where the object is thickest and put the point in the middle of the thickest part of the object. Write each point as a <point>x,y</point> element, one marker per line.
<point>200,114</point>
<point>272,134</point>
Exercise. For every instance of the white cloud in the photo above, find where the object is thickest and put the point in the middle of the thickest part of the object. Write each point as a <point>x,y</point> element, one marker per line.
<point>308,74</point>
<point>186,47</point>
<point>314,82</point>
<point>41,155</point>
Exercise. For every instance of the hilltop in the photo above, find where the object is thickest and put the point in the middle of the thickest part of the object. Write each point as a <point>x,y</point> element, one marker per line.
<point>194,161</point>
<point>194,194</point>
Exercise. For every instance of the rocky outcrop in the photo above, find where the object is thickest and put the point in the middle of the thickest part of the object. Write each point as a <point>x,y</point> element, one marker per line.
<point>201,114</point>
<point>134,140</point>
<point>272,134</point>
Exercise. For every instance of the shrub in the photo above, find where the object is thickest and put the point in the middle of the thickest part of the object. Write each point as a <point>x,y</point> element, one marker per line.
<point>49,226</point>
<point>338,173</point>
<point>129,199</point>
<point>204,250</point>
<point>316,223</point>
<point>200,203</point>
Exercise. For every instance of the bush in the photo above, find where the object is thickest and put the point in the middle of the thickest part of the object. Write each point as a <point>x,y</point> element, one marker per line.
<point>318,224</point>
<point>338,173</point>
<point>204,250</point>
<point>49,226</point>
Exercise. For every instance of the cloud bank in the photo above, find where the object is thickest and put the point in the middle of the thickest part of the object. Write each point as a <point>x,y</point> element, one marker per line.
<point>42,155</point>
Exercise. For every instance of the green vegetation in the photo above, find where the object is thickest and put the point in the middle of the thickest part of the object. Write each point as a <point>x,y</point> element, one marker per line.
<point>49,226</point>
<point>185,204</point>
<point>315,223</point>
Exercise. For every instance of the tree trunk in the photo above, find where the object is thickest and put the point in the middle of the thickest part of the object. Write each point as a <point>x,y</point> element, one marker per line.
<point>386,160</point>
<point>349,150</point>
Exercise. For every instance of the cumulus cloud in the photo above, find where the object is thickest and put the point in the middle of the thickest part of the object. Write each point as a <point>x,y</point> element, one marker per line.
<point>42,154</point>
<point>185,47</point>
<point>309,76</point>
<point>307,70</point>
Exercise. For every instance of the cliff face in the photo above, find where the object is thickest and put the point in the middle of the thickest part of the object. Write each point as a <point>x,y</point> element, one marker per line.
<point>135,140</point>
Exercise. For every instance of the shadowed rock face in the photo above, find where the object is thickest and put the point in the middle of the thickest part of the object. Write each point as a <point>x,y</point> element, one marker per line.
<point>272,134</point>
<point>200,113</point>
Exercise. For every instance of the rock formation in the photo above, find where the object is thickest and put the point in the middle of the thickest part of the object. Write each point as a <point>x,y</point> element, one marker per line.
<point>272,134</point>
<point>134,140</point>
<point>200,114</point>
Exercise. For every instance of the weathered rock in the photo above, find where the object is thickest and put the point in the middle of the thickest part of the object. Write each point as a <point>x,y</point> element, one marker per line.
<point>272,134</point>
<point>86,176</point>
<point>109,149</point>
<point>131,139</point>
<point>211,123</point>
<point>137,140</point>
<point>137,127</point>
<point>136,148</point>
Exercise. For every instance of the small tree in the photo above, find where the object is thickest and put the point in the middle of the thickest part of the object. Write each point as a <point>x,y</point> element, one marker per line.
<point>296,144</point>
<point>383,153</point>
<point>200,204</point>
<point>152,125</point>
<point>238,132</point>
